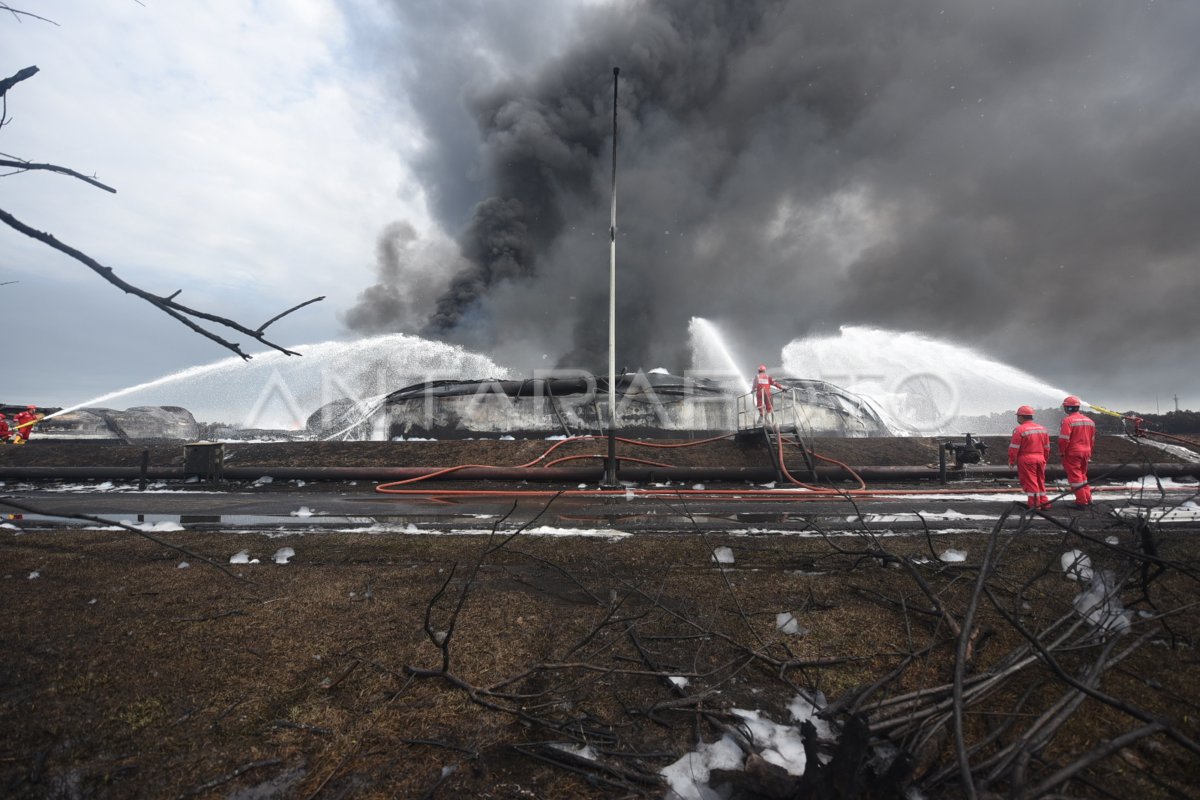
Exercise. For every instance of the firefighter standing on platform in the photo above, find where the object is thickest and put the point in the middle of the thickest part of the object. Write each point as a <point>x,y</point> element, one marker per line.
<point>1075,441</point>
<point>762,391</point>
<point>1028,451</point>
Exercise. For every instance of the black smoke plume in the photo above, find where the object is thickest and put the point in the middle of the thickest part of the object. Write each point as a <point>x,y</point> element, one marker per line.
<point>1015,175</point>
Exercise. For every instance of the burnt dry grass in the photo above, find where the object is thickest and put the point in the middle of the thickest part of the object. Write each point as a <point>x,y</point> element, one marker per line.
<point>429,666</point>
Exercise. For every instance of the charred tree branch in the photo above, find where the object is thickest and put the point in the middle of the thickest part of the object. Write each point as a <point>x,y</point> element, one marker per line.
<point>20,165</point>
<point>166,304</point>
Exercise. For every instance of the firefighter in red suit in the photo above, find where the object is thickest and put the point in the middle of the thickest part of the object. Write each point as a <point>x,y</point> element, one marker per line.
<point>5,433</point>
<point>25,420</point>
<point>1028,451</point>
<point>762,391</point>
<point>1075,441</point>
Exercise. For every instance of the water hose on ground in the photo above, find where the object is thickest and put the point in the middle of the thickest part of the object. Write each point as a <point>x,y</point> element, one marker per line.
<point>802,491</point>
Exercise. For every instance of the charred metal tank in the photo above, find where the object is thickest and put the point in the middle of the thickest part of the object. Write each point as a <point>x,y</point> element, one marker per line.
<point>137,424</point>
<point>647,404</point>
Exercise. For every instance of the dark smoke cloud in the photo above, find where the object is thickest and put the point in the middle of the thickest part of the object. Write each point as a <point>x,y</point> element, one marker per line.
<point>1019,176</point>
<point>410,274</point>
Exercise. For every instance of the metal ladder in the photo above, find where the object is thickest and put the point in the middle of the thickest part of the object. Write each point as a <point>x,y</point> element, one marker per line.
<point>786,407</point>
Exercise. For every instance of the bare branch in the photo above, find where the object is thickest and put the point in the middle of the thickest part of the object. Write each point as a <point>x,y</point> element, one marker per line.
<point>166,304</point>
<point>21,75</point>
<point>1099,753</point>
<point>1096,694</point>
<point>18,13</point>
<point>21,165</point>
<point>283,314</point>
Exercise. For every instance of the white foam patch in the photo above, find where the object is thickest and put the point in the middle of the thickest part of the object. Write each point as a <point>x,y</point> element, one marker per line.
<point>600,533</point>
<point>1076,565</point>
<point>688,777</point>
<point>1100,605</point>
<point>1182,452</point>
<point>917,516</point>
<point>842,532</point>
<point>165,526</point>
<point>1185,512</point>
<point>383,527</point>
<point>781,744</point>
<point>787,623</point>
<point>1151,483</point>
<point>974,497</point>
<point>544,530</point>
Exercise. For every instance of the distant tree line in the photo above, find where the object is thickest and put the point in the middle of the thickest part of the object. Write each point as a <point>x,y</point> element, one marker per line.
<point>1174,422</point>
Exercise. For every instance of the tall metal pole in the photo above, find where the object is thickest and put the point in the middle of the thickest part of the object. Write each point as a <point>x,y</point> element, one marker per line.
<point>610,469</point>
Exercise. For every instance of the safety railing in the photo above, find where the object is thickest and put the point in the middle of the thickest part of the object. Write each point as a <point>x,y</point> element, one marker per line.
<point>784,413</point>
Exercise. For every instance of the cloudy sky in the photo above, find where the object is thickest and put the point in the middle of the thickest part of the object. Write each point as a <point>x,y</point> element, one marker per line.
<point>256,160</point>
<point>1017,177</point>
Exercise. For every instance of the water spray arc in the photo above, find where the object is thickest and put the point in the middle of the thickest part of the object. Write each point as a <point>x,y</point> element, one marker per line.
<point>706,334</point>
<point>228,390</point>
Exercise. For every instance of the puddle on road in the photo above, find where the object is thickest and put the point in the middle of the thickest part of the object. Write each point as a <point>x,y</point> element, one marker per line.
<point>402,522</point>
<point>767,516</point>
<point>659,519</point>
<point>215,521</point>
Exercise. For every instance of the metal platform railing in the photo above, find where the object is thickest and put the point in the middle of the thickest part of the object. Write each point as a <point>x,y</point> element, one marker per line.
<point>784,416</point>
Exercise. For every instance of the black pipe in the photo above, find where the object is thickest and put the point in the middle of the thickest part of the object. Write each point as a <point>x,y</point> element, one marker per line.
<point>89,473</point>
<point>631,472</point>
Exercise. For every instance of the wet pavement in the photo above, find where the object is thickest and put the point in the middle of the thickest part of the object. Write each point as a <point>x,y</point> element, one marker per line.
<point>333,508</point>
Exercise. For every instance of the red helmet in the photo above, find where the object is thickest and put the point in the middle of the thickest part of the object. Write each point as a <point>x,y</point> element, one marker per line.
<point>762,367</point>
<point>2,416</point>
<point>32,408</point>
<point>1025,411</point>
<point>1071,400</point>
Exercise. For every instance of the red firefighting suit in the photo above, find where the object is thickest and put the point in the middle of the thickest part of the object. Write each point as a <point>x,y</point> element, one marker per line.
<point>21,418</point>
<point>1075,441</point>
<point>5,433</point>
<point>1028,451</point>
<point>762,392</point>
